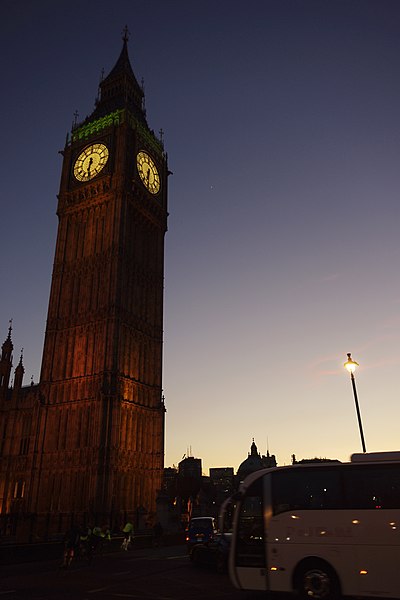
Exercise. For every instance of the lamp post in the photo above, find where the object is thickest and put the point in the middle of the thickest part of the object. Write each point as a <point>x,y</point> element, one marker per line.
<point>351,365</point>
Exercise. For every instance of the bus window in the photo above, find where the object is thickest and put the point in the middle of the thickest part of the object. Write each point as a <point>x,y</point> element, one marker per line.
<point>306,489</point>
<point>372,487</point>
<point>250,547</point>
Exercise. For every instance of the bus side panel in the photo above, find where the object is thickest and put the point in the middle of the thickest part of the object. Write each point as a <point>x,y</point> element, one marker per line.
<point>295,536</point>
<point>378,552</point>
<point>363,547</point>
<point>249,578</point>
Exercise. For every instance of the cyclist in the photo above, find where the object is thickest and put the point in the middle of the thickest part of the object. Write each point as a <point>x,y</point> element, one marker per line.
<point>71,545</point>
<point>128,534</point>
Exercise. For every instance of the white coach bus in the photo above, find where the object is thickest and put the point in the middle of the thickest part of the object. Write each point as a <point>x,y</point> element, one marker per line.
<point>320,529</point>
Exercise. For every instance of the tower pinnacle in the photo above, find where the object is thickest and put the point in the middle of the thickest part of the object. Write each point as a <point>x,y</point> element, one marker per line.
<point>120,89</point>
<point>126,34</point>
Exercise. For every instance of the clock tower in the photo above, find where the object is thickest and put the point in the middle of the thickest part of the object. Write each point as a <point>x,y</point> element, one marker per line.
<point>101,439</point>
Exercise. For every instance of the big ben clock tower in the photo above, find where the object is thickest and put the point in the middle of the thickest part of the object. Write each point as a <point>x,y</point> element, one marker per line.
<point>101,440</point>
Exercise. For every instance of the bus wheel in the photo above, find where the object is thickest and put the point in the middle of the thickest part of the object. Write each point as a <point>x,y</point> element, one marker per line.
<point>317,580</point>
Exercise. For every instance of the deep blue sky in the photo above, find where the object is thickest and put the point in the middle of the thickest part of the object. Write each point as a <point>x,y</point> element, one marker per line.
<point>281,122</point>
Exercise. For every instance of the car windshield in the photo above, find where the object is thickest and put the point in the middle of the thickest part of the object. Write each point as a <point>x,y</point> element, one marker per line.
<point>201,524</point>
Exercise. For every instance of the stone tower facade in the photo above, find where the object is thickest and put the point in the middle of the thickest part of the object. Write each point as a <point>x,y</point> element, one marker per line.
<point>98,443</point>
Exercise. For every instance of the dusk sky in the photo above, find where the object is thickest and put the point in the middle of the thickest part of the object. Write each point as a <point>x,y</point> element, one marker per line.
<point>281,121</point>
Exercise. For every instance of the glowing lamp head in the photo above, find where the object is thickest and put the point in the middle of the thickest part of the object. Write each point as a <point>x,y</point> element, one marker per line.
<point>350,364</point>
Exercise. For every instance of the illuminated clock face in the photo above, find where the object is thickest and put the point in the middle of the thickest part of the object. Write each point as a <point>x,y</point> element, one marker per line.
<point>90,162</point>
<point>148,172</point>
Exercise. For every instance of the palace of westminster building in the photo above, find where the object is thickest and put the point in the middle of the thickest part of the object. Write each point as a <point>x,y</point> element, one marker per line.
<point>88,439</point>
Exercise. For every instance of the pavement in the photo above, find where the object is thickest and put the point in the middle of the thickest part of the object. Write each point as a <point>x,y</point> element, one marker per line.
<point>41,551</point>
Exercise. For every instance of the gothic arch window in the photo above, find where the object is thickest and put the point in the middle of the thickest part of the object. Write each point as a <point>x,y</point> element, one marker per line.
<point>3,436</point>
<point>19,489</point>
<point>25,432</point>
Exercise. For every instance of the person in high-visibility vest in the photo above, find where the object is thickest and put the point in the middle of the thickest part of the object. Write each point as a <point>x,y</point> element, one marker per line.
<point>128,534</point>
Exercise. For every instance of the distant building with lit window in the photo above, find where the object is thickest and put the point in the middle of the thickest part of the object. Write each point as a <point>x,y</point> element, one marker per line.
<point>222,479</point>
<point>190,467</point>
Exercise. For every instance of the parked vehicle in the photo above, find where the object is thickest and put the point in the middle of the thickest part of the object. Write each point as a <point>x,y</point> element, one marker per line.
<point>201,530</point>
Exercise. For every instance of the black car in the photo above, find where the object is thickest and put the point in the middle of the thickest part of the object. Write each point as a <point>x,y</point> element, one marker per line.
<point>214,552</point>
<point>200,530</point>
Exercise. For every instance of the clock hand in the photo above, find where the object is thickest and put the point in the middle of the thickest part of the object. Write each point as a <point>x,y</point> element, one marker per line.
<point>89,165</point>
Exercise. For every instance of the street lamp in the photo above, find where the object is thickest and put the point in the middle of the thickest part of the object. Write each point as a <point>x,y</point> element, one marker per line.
<point>351,366</point>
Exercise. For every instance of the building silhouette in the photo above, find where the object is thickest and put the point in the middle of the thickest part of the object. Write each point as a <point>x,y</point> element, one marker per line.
<point>87,442</point>
<point>254,462</point>
<point>190,467</point>
<point>188,493</point>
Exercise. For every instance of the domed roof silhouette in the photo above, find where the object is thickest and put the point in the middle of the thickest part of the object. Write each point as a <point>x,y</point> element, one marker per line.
<point>252,463</point>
